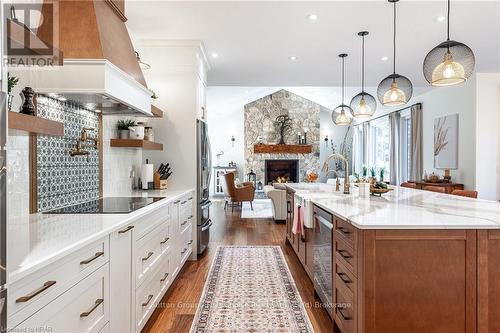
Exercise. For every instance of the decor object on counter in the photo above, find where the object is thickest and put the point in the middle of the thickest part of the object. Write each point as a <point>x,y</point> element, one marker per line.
<point>311,176</point>
<point>446,142</point>
<point>11,83</point>
<point>363,105</point>
<point>148,133</point>
<point>284,125</point>
<point>137,131</point>
<point>382,174</point>
<point>363,185</point>
<point>450,62</point>
<point>144,66</point>
<point>395,89</point>
<point>342,114</point>
<point>373,172</point>
<point>433,178</point>
<point>447,176</point>
<point>365,171</point>
<point>378,189</point>
<point>28,106</point>
<point>123,128</point>
<point>252,177</point>
<point>259,186</point>
<point>147,176</point>
<point>161,176</point>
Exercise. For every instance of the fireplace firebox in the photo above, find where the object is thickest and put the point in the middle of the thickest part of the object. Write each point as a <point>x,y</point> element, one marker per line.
<point>281,171</point>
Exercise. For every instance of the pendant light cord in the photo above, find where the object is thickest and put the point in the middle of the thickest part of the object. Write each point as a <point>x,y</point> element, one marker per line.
<point>343,81</point>
<point>363,65</point>
<point>394,42</point>
<point>448,20</point>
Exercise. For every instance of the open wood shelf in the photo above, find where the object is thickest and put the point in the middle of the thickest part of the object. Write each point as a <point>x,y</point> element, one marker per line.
<point>35,125</point>
<point>135,143</point>
<point>157,113</point>
<point>281,149</point>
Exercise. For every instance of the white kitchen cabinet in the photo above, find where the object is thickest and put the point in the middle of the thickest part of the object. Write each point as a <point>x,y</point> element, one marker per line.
<point>83,308</point>
<point>121,274</point>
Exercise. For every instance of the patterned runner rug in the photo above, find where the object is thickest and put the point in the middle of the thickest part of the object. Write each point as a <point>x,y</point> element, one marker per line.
<point>250,289</point>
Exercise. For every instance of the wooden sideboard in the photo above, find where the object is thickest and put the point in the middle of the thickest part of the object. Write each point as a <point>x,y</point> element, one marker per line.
<point>449,187</point>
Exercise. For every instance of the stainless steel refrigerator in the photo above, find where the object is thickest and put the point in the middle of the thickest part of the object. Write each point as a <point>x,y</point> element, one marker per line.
<point>204,174</point>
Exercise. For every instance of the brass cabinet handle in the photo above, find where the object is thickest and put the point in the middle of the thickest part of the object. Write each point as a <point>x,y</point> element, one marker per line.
<point>45,286</point>
<point>148,256</point>
<point>341,311</point>
<point>176,202</point>
<point>130,227</point>
<point>190,217</point>
<point>96,304</point>
<point>345,256</point>
<point>89,260</point>
<point>344,277</point>
<point>343,230</point>
<point>183,223</point>
<point>165,240</point>
<point>184,251</point>
<point>164,277</point>
<point>190,198</point>
<point>190,242</point>
<point>183,203</point>
<point>150,297</point>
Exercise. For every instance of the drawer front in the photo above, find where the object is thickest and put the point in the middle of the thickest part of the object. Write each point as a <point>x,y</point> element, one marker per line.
<point>38,289</point>
<point>146,298</point>
<point>346,231</point>
<point>345,254</point>
<point>345,312</point>
<point>83,308</point>
<point>150,221</point>
<point>149,250</point>
<point>345,280</point>
<point>186,225</point>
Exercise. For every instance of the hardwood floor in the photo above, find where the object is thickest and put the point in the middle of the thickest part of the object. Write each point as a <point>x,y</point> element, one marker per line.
<point>176,311</point>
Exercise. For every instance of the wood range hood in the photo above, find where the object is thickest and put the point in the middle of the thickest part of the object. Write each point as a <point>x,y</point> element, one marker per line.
<point>100,70</point>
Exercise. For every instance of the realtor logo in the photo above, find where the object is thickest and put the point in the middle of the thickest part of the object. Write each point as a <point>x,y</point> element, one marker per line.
<point>31,35</point>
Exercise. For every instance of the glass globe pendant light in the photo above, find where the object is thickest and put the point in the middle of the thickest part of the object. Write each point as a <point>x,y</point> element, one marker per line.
<point>450,62</point>
<point>363,105</point>
<point>342,114</point>
<point>395,89</point>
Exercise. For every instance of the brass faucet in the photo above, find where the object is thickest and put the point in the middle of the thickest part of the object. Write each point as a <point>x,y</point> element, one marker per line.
<point>79,149</point>
<point>326,168</point>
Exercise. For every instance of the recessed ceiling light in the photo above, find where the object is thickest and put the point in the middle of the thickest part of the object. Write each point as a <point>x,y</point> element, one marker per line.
<point>292,58</point>
<point>440,18</point>
<point>215,55</point>
<point>384,58</point>
<point>312,17</point>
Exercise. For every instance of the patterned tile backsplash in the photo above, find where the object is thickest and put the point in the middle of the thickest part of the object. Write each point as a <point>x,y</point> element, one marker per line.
<point>64,180</point>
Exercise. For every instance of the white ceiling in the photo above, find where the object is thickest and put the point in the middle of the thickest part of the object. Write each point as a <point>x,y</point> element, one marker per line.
<point>254,39</point>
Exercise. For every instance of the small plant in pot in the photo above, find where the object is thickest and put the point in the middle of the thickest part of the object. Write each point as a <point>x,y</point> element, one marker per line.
<point>373,175</point>
<point>11,83</point>
<point>123,128</point>
<point>382,174</point>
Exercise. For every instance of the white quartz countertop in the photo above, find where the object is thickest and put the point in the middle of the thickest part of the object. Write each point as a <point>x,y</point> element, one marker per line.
<point>40,239</point>
<point>403,208</point>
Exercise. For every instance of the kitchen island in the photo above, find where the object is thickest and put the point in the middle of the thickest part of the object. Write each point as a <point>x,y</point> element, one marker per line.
<point>409,261</point>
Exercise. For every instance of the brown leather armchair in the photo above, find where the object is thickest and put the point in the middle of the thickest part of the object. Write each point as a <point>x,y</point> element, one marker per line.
<point>237,194</point>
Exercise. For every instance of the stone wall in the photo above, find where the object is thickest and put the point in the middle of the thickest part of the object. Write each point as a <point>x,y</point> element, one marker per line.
<point>260,117</point>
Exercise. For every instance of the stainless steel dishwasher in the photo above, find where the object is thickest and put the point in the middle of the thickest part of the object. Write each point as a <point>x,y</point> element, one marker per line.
<point>322,264</point>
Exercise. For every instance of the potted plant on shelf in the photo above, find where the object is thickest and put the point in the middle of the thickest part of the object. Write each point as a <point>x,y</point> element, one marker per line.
<point>11,83</point>
<point>123,128</point>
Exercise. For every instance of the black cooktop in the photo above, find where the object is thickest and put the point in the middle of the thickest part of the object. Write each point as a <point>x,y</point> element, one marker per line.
<point>109,205</point>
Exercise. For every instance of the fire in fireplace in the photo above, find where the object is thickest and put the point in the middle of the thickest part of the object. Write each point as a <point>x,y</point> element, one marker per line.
<point>281,171</point>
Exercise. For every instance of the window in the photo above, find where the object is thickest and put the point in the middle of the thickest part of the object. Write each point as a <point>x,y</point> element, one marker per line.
<point>405,146</point>
<point>380,152</point>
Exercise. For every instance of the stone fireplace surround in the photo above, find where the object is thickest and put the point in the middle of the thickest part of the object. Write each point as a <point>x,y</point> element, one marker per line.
<point>259,123</point>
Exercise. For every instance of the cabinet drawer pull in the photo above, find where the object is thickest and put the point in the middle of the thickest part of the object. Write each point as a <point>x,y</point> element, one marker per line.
<point>343,230</point>
<point>184,223</point>
<point>164,277</point>
<point>148,256</point>
<point>184,251</point>
<point>45,286</point>
<point>190,242</point>
<point>150,297</point>
<point>345,256</point>
<point>344,277</point>
<point>96,304</point>
<point>130,227</point>
<point>190,198</point>
<point>190,217</point>
<point>176,202</point>
<point>165,240</point>
<point>183,203</point>
<point>341,311</point>
<point>89,260</point>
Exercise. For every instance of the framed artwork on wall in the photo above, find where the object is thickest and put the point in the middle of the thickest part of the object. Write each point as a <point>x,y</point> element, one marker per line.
<point>446,142</point>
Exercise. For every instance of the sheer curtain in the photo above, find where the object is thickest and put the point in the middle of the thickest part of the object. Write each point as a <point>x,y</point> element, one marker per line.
<point>366,143</point>
<point>395,148</point>
<point>416,162</point>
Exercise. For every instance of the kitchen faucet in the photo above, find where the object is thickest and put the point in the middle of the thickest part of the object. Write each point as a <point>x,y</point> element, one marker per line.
<point>326,169</point>
<point>79,149</point>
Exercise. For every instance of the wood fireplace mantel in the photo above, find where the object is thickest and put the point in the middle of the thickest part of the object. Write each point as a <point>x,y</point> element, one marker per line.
<point>280,149</point>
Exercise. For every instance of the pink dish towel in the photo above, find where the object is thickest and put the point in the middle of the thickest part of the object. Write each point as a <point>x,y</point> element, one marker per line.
<point>298,220</point>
